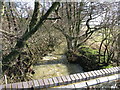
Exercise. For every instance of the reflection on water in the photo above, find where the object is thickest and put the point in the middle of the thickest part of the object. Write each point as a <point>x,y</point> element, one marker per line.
<point>53,66</point>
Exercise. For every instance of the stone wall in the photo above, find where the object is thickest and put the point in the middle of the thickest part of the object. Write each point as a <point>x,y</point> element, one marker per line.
<point>75,81</point>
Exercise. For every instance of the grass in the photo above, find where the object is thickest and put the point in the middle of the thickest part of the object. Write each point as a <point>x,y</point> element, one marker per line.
<point>109,66</point>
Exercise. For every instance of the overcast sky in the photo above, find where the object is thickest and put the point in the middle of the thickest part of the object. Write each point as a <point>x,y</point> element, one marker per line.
<point>31,3</point>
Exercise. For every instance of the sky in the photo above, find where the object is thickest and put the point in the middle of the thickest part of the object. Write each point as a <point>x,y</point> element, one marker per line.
<point>31,2</point>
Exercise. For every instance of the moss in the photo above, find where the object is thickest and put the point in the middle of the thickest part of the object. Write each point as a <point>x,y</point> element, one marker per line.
<point>87,58</point>
<point>109,66</point>
<point>87,50</point>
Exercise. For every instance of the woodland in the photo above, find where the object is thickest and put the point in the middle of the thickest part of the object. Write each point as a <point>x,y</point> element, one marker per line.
<point>86,33</point>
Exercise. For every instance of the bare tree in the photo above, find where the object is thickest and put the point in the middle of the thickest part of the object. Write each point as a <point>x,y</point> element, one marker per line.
<point>76,22</point>
<point>12,59</point>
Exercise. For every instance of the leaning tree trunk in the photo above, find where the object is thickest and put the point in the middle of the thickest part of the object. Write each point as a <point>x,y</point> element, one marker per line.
<point>21,42</point>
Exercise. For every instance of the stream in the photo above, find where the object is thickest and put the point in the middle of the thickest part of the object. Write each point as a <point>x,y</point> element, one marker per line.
<point>54,65</point>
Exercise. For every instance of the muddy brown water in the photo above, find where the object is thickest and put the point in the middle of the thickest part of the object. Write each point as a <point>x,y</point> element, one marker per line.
<point>53,66</point>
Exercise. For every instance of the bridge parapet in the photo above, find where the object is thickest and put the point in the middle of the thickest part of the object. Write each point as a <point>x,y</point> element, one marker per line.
<point>78,80</point>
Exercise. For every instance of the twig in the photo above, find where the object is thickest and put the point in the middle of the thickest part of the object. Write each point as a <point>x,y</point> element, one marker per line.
<point>7,33</point>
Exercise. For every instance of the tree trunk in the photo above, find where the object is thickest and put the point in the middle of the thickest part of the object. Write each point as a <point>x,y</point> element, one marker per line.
<point>69,44</point>
<point>1,19</point>
<point>118,56</point>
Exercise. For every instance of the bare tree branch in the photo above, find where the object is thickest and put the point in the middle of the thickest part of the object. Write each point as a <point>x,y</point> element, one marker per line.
<point>7,33</point>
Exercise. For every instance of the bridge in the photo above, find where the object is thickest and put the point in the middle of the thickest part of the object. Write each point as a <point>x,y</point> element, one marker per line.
<point>73,81</point>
